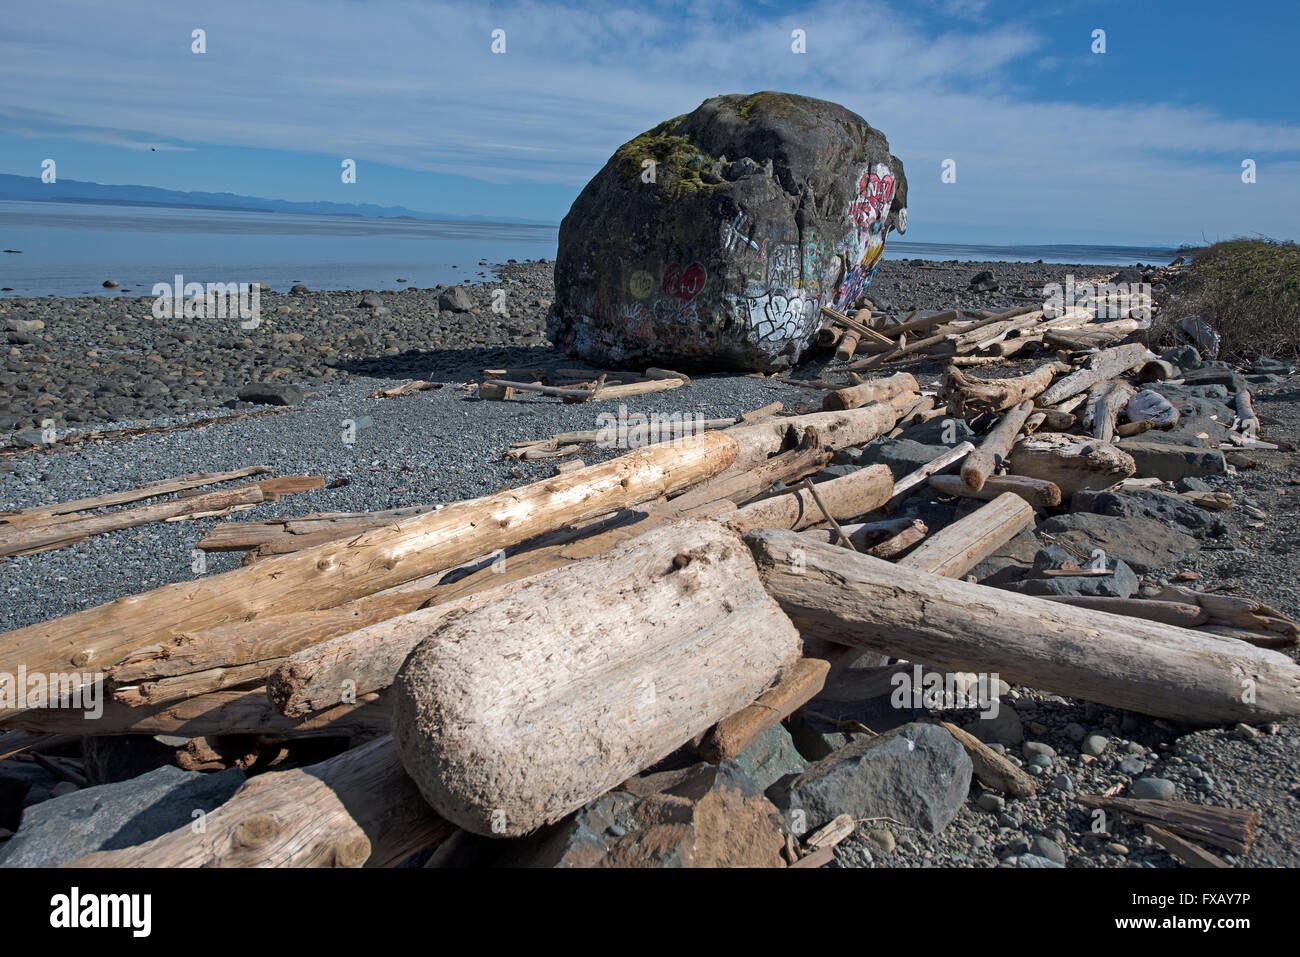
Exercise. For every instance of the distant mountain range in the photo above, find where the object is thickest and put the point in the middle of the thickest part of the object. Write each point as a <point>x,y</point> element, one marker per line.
<point>30,189</point>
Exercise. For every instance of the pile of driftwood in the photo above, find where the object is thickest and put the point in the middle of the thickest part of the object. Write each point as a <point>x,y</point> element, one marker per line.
<point>501,661</point>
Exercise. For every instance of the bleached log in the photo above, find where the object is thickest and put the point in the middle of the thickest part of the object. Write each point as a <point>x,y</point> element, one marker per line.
<point>835,430</point>
<point>1170,612</point>
<point>220,712</point>
<point>514,715</point>
<point>955,550</point>
<point>148,490</point>
<point>333,573</point>
<point>1143,666</point>
<point>1246,421</point>
<point>1105,400</point>
<point>1070,462</point>
<point>1103,366</point>
<point>993,450</point>
<point>877,390</point>
<point>356,809</point>
<point>365,660</point>
<point>971,395</point>
<point>847,497</point>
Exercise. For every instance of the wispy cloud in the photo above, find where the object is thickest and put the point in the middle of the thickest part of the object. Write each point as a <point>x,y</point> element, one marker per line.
<point>415,85</point>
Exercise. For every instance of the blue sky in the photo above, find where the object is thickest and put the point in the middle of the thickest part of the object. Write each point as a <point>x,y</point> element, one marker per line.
<point>1052,142</point>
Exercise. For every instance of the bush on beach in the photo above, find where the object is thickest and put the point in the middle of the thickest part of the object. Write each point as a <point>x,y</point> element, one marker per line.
<point>1247,289</point>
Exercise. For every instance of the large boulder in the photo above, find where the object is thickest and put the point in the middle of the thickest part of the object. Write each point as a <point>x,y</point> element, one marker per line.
<point>717,236</point>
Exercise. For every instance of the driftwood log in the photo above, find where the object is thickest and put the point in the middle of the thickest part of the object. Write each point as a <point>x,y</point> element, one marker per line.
<point>1037,492</point>
<point>971,395</point>
<point>358,808</point>
<point>955,550</point>
<point>984,461</point>
<point>1151,668</point>
<point>513,715</point>
<point>1072,463</point>
<point>876,390</point>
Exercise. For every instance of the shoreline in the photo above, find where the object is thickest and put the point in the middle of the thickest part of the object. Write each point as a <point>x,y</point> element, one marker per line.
<point>105,361</point>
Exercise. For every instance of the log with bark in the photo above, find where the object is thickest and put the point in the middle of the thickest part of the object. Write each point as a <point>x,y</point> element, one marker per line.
<point>1151,668</point>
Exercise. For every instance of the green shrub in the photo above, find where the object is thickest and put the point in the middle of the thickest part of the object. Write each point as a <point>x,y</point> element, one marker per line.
<point>1247,289</point>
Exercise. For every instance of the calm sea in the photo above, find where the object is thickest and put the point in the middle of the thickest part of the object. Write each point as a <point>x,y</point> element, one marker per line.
<point>70,249</point>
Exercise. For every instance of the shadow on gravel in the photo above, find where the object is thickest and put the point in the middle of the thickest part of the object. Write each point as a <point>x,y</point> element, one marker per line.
<point>452,364</point>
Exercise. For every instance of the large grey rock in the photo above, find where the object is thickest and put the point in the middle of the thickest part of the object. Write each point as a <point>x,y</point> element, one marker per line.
<point>770,758</point>
<point>1170,462</point>
<point>718,235</point>
<point>455,299</point>
<point>1145,503</point>
<point>1142,543</point>
<point>917,774</point>
<point>112,816</point>
<point>270,393</point>
<point>1122,582</point>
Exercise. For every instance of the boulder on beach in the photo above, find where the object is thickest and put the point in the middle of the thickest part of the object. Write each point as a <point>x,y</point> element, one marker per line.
<point>716,237</point>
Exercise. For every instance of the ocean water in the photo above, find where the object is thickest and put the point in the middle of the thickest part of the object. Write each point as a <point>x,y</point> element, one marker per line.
<point>70,249</point>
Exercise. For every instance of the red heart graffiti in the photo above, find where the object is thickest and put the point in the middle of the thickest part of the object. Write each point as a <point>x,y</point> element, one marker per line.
<point>684,284</point>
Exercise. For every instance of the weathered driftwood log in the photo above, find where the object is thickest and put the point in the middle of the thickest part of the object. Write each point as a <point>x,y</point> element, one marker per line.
<point>970,395</point>
<point>847,345</point>
<point>365,660</point>
<point>909,482</point>
<point>356,809</point>
<point>1230,828</point>
<point>1070,462</point>
<point>1246,421</point>
<point>515,714</point>
<point>331,574</point>
<point>1036,492</point>
<point>877,390</point>
<point>923,324</point>
<point>221,712</point>
<point>993,450</point>
<point>1105,401</point>
<point>849,496</point>
<point>57,531</point>
<point>1193,855</point>
<point>955,550</point>
<point>1170,612</point>
<point>1175,673</point>
<point>836,430</point>
<point>1101,367</point>
<point>733,734</point>
<point>148,490</point>
<point>1234,611</point>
